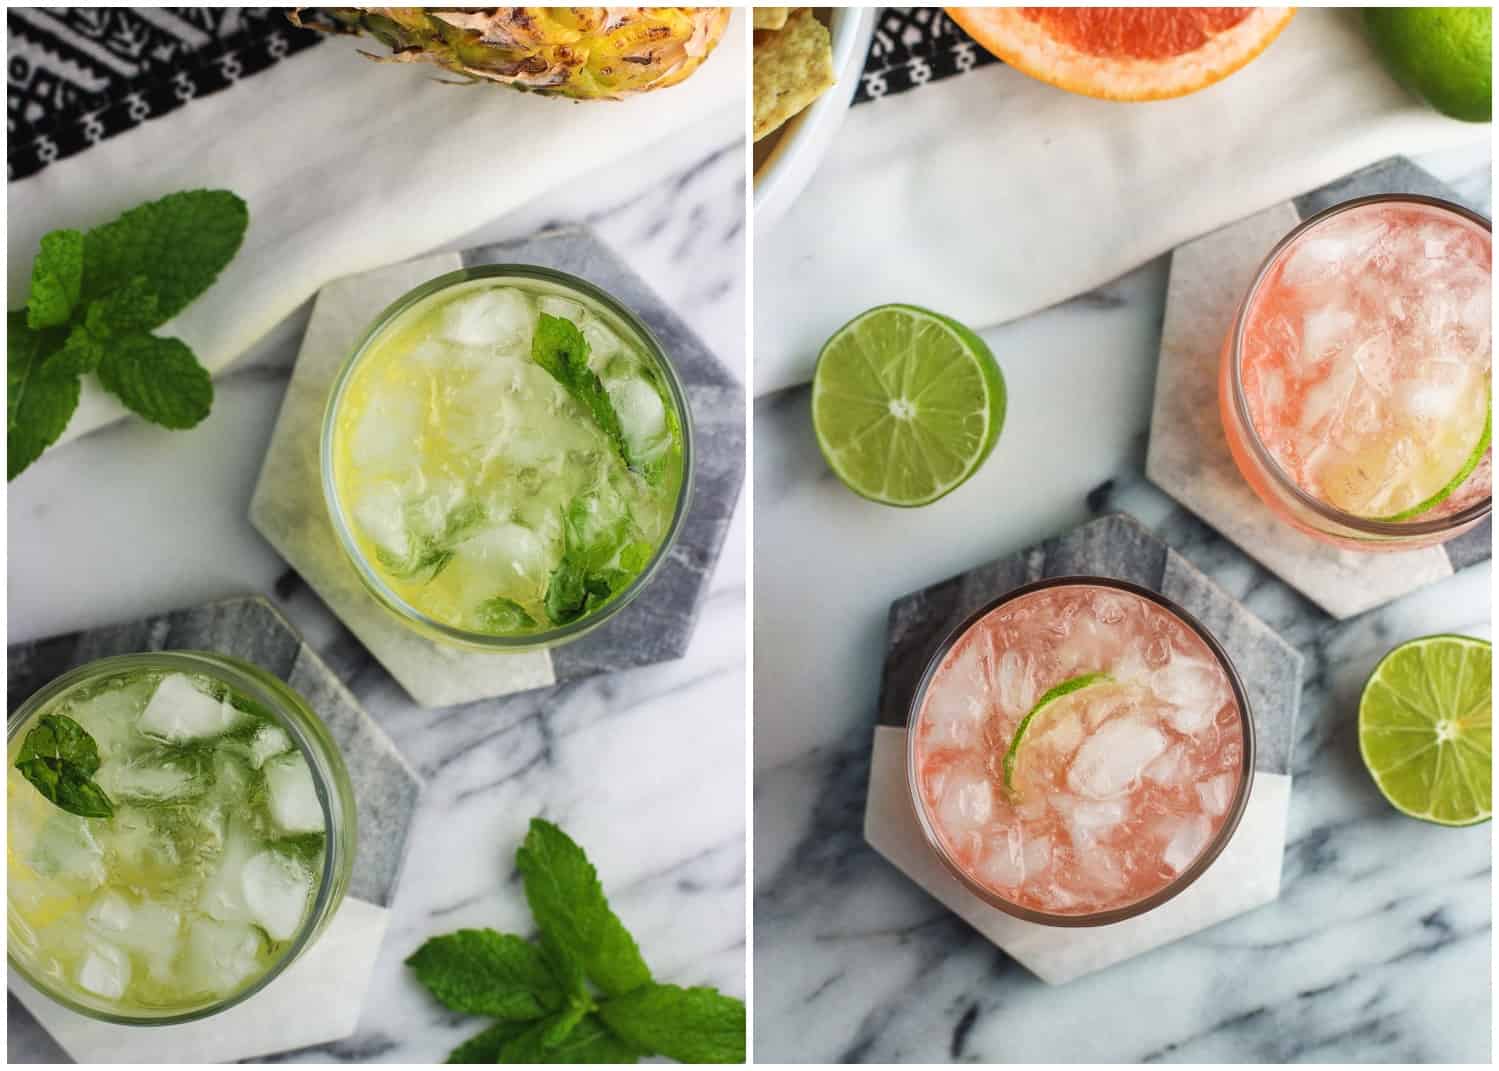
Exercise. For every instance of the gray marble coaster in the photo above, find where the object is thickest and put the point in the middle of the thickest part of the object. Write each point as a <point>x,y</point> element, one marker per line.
<point>319,997</point>
<point>1188,455</point>
<point>1245,876</point>
<point>288,507</point>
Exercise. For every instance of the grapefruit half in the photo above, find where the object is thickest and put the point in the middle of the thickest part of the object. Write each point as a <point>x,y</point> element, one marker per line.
<point>1125,53</point>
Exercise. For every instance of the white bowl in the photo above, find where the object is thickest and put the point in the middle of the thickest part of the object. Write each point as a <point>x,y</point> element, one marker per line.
<point>805,138</point>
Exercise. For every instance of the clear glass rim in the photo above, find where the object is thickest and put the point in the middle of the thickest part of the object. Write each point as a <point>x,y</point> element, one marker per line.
<point>376,585</point>
<point>1207,856</point>
<point>1267,462</point>
<point>323,758</point>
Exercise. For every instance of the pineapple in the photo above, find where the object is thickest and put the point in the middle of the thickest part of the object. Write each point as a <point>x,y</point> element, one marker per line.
<point>586,53</point>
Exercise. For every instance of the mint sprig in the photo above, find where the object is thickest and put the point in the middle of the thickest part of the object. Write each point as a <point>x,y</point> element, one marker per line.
<point>60,758</point>
<point>595,565</point>
<point>95,297</point>
<point>584,995</point>
<point>560,348</point>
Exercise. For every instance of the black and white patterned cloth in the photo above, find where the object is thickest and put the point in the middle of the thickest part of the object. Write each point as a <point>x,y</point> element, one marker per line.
<point>78,76</point>
<point>913,46</point>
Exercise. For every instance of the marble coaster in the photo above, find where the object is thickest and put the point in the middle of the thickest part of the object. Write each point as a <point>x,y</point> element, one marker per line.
<point>1188,455</point>
<point>319,997</point>
<point>288,509</point>
<point>1246,875</point>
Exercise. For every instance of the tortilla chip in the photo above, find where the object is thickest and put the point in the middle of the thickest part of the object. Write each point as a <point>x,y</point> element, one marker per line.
<point>793,67</point>
<point>771,18</point>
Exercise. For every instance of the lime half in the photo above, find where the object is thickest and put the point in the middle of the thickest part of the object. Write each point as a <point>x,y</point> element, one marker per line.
<point>1424,726</point>
<point>906,404</point>
<point>1067,687</point>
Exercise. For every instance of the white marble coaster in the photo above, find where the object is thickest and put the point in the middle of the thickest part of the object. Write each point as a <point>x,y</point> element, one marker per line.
<point>319,998</point>
<point>1245,876</point>
<point>288,508</point>
<point>1188,455</point>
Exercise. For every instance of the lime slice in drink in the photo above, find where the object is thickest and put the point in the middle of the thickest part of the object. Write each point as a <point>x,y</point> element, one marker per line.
<point>906,404</point>
<point>1453,484</point>
<point>1067,687</point>
<point>1424,729</point>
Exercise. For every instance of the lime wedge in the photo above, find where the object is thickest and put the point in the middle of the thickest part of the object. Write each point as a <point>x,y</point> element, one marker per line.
<point>906,404</point>
<point>1067,687</point>
<point>1457,481</point>
<point>1424,726</point>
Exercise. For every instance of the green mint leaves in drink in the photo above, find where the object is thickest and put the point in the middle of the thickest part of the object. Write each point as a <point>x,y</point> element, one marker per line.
<point>95,298</point>
<point>583,993</point>
<point>560,348</point>
<point>60,759</point>
<point>597,563</point>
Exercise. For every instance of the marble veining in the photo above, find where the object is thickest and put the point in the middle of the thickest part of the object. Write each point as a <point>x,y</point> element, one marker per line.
<point>644,767</point>
<point>1379,945</point>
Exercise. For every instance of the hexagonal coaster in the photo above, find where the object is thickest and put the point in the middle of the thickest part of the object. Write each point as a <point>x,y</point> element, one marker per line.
<point>1245,876</point>
<point>1188,456</point>
<point>288,507</point>
<point>319,997</point>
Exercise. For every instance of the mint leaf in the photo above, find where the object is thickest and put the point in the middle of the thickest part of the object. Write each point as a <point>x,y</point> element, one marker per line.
<point>591,1042</point>
<point>693,1026</point>
<point>159,378</point>
<point>502,615</point>
<point>560,348</point>
<point>60,759</point>
<point>179,244</point>
<point>487,973</point>
<point>567,591</point>
<point>484,1047</point>
<point>40,400</point>
<point>133,307</point>
<point>81,353</point>
<point>575,920</point>
<point>56,280</point>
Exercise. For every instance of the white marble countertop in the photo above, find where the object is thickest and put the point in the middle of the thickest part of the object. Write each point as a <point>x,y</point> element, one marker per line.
<point>645,768</point>
<point>1378,948</point>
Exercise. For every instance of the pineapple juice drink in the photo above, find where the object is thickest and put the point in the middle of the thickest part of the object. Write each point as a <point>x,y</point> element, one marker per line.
<point>1080,752</point>
<point>1356,386</point>
<point>214,844</point>
<point>506,457</point>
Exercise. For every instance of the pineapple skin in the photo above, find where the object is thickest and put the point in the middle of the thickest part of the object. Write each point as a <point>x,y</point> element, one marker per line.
<point>584,53</point>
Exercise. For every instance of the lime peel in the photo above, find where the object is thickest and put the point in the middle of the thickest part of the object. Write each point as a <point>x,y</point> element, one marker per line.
<point>1453,484</point>
<point>1067,687</point>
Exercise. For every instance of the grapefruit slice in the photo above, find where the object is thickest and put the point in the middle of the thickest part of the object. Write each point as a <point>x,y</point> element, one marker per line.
<point>1125,53</point>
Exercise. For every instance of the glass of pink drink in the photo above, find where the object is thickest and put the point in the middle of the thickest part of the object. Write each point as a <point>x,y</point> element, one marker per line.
<point>1355,382</point>
<point>1121,793</point>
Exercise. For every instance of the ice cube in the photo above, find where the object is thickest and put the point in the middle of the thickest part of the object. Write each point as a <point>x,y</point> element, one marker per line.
<point>1216,793</point>
<point>152,778</point>
<point>1015,682</point>
<point>642,416</point>
<point>105,970</point>
<point>954,709</point>
<point>967,799</point>
<point>1170,768</point>
<point>381,515</point>
<point>1333,249</point>
<point>276,890</point>
<point>179,710</point>
<point>502,318</point>
<point>389,426</point>
<point>1326,330</point>
<point>268,742</point>
<point>1003,866</point>
<point>291,795</point>
<point>1088,820</point>
<point>1188,837</point>
<point>507,559</point>
<point>223,894</point>
<point>1113,757</point>
<point>567,308</point>
<point>147,928</point>
<point>110,716</point>
<point>221,955</point>
<point>603,343</point>
<point>1194,691</point>
<point>65,848</point>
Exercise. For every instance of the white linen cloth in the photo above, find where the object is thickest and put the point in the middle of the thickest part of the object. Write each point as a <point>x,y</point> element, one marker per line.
<point>347,165</point>
<point>991,195</point>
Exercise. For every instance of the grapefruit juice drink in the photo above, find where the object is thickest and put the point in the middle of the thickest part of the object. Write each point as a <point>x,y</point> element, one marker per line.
<point>1356,383</point>
<point>505,456</point>
<point>214,841</point>
<point>1080,752</point>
